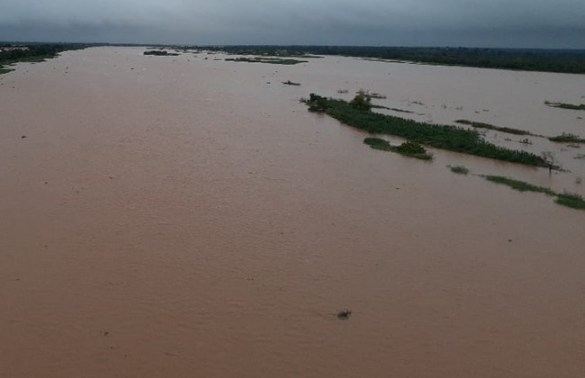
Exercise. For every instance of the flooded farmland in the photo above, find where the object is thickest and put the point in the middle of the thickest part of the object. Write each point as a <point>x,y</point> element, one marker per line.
<point>187,216</point>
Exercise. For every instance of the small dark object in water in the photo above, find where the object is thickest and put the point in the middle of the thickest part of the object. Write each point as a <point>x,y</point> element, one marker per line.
<point>23,137</point>
<point>288,82</point>
<point>344,314</point>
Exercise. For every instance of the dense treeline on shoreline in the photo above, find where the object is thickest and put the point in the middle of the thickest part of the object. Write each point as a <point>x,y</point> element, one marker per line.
<point>34,52</point>
<point>566,61</point>
<point>562,61</point>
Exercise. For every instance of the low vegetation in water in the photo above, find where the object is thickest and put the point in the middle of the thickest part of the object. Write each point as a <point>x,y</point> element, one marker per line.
<point>520,186</point>
<point>160,53</point>
<point>268,60</point>
<point>573,201</point>
<point>567,138</point>
<point>400,110</point>
<point>481,125</point>
<point>459,169</point>
<point>561,105</point>
<point>358,114</point>
<point>370,95</point>
<point>409,149</point>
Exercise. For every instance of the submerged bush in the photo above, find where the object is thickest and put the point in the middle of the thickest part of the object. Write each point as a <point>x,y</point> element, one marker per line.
<point>459,169</point>
<point>362,102</point>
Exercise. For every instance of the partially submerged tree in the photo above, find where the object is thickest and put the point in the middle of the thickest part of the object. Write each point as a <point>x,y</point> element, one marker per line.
<point>362,101</point>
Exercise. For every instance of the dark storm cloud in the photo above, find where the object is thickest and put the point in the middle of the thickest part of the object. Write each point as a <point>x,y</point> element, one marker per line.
<point>518,23</point>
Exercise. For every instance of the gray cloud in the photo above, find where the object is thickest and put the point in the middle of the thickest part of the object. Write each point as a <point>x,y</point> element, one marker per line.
<point>506,23</point>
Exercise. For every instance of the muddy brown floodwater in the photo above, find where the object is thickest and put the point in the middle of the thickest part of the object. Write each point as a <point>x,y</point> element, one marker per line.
<point>176,216</point>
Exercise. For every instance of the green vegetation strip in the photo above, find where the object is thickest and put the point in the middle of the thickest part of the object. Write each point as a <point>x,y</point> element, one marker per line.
<point>481,125</point>
<point>574,201</point>
<point>567,138</point>
<point>160,53</point>
<point>266,60</point>
<point>358,114</point>
<point>409,149</point>
<point>520,186</point>
<point>561,105</point>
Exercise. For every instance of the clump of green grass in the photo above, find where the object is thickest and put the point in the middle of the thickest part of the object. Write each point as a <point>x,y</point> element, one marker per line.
<point>459,169</point>
<point>567,138</point>
<point>438,136</point>
<point>573,201</point>
<point>409,149</point>
<point>565,106</point>
<point>481,125</point>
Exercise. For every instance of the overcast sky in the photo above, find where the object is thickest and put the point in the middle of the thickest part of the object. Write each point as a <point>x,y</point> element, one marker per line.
<point>491,23</point>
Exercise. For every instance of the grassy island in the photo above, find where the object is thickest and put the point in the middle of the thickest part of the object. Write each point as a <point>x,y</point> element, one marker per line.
<point>358,114</point>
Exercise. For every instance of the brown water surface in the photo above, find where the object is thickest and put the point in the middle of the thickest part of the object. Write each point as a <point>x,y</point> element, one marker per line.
<point>175,216</point>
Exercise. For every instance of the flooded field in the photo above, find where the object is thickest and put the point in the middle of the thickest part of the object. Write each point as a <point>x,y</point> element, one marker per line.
<point>186,216</point>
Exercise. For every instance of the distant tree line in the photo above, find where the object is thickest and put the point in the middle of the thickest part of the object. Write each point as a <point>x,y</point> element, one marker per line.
<point>567,61</point>
<point>11,53</point>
